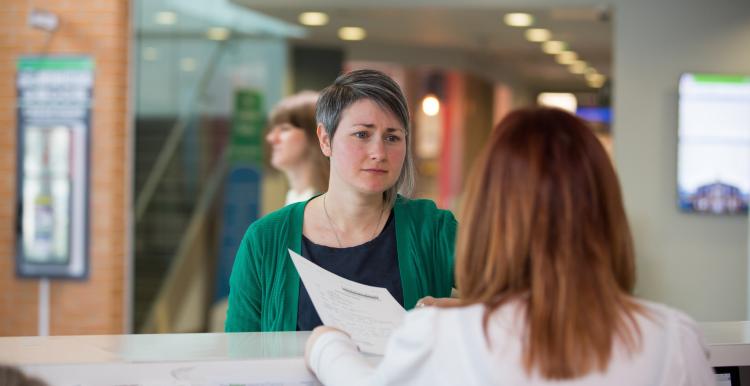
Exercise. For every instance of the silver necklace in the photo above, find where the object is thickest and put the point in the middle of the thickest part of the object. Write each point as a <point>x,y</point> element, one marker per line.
<point>333,228</point>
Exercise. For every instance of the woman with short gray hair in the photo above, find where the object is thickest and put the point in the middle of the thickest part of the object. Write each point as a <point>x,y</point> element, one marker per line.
<point>364,228</point>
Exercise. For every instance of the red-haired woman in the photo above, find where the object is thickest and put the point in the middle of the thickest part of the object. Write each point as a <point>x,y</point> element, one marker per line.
<point>545,268</point>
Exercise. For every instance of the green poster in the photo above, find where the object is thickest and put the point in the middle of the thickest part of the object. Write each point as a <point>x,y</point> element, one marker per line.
<point>248,122</point>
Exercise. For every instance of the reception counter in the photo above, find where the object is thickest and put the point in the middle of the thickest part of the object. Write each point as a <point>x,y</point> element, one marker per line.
<point>167,359</point>
<point>226,359</point>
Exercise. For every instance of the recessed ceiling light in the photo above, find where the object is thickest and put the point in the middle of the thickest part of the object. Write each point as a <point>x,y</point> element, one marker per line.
<point>596,84</point>
<point>166,18</point>
<point>577,67</point>
<point>518,19</point>
<point>553,47</point>
<point>589,70</point>
<point>566,57</point>
<point>537,34</point>
<point>595,77</point>
<point>218,33</point>
<point>352,33</point>
<point>187,64</point>
<point>313,18</point>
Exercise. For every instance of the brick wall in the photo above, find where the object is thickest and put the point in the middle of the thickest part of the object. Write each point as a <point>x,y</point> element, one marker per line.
<point>99,28</point>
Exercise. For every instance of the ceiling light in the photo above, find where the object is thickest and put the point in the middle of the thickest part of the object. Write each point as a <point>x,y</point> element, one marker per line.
<point>187,64</point>
<point>561,100</point>
<point>518,19</point>
<point>589,70</point>
<point>166,18</point>
<point>313,18</point>
<point>595,77</point>
<point>431,105</point>
<point>352,33</point>
<point>150,54</point>
<point>218,33</point>
<point>537,35</point>
<point>553,47</point>
<point>566,57</point>
<point>577,67</point>
<point>596,84</point>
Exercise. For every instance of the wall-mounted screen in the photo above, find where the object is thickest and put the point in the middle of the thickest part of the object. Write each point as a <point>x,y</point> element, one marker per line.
<point>713,173</point>
<point>54,131</point>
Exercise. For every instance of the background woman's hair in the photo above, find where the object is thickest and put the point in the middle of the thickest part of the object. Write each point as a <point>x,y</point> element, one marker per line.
<point>381,89</point>
<point>298,110</point>
<point>543,222</point>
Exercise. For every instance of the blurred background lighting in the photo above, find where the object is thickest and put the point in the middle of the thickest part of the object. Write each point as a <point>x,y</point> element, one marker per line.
<point>595,77</point>
<point>561,100</point>
<point>553,47</point>
<point>566,57</point>
<point>218,33</point>
<point>352,33</point>
<point>577,67</point>
<point>518,19</point>
<point>537,35</point>
<point>313,19</point>
<point>166,18</point>
<point>430,105</point>
<point>596,84</point>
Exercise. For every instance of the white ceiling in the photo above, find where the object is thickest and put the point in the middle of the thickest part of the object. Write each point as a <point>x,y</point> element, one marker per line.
<point>477,32</point>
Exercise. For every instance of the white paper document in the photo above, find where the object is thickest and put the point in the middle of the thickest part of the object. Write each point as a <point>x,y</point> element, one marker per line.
<point>368,314</point>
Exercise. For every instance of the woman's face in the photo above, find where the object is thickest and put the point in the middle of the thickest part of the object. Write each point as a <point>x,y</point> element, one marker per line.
<point>368,148</point>
<point>289,146</point>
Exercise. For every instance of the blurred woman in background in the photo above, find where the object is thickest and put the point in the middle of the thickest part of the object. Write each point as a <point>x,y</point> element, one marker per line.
<point>545,269</point>
<point>294,146</point>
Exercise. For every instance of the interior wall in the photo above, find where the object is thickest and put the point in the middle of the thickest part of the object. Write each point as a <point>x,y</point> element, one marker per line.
<point>697,263</point>
<point>101,29</point>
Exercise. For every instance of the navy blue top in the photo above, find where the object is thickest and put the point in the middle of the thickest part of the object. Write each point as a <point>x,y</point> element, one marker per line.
<point>373,263</point>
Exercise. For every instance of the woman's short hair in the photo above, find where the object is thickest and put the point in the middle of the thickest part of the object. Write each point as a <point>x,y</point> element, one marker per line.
<point>298,110</point>
<point>381,89</point>
<point>543,222</point>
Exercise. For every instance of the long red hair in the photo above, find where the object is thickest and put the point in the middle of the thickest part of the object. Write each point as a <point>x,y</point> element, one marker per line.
<point>543,222</point>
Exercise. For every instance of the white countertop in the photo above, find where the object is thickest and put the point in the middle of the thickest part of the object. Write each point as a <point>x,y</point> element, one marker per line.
<point>82,349</point>
<point>167,359</point>
<point>219,358</point>
<point>729,342</point>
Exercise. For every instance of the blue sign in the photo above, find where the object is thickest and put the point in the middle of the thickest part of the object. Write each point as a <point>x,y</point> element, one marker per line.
<point>241,208</point>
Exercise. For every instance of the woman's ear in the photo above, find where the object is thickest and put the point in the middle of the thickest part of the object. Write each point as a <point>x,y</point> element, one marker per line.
<point>325,140</point>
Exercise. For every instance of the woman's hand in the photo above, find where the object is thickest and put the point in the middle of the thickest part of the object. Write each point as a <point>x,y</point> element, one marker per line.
<point>316,333</point>
<point>429,301</point>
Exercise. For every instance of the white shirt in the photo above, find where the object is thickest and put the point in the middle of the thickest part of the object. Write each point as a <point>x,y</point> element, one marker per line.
<point>292,196</point>
<point>447,346</point>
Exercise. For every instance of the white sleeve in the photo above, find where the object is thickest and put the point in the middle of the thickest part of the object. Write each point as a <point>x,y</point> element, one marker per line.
<point>406,356</point>
<point>693,363</point>
<point>336,361</point>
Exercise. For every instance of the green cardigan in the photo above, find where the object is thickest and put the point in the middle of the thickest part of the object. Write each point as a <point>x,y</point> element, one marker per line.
<point>264,286</point>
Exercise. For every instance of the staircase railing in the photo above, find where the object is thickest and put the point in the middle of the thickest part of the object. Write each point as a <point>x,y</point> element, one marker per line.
<point>188,270</point>
<point>184,287</point>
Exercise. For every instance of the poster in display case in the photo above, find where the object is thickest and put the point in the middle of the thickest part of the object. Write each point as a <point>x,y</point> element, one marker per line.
<point>54,115</point>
